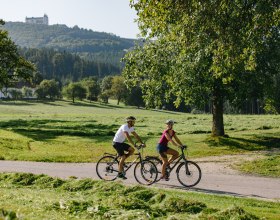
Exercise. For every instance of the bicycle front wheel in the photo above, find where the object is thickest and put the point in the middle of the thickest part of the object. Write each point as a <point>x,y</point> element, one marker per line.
<point>107,168</point>
<point>145,172</point>
<point>189,173</point>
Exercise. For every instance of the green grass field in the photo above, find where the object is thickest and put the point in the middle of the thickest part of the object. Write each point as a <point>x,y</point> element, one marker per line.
<point>28,196</point>
<point>64,132</point>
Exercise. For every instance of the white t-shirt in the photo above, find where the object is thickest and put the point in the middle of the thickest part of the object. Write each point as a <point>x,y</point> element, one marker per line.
<point>120,136</point>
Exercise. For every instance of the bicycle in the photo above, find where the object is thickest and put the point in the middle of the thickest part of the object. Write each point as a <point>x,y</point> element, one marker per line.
<point>188,172</point>
<point>107,167</point>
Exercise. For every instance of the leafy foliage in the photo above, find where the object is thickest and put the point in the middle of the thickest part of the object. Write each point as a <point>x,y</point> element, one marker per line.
<point>66,67</point>
<point>13,67</point>
<point>48,88</point>
<point>204,50</point>
<point>74,90</point>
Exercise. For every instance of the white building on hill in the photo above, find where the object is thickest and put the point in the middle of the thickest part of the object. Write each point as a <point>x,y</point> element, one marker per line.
<point>37,20</point>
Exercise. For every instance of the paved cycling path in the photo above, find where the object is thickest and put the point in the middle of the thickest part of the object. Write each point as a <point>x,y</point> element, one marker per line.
<point>217,177</point>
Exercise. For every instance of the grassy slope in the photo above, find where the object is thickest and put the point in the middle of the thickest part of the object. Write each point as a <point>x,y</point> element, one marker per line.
<point>61,131</point>
<point>269,165</point>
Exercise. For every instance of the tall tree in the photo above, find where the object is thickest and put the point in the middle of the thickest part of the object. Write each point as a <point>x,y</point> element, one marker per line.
<point>12,66</point>
<point>118,89</point>
<point>200,49</point>
<point>48,88</point>
<point>106,85</point>
<point>74,90</point>
<point>134,96</point>
<point>92,87</point>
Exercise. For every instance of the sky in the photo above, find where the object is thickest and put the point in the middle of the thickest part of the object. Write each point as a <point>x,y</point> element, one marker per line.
<point>111,16</point>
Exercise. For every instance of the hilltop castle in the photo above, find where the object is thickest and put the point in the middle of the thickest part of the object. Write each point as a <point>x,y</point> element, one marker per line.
<point>37,20</point>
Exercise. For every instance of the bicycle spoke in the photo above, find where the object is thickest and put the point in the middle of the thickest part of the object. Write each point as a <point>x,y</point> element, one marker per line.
<point>158,164</point>
<point>107,168</point>
<point>189,174</point>
<point>145,172</point>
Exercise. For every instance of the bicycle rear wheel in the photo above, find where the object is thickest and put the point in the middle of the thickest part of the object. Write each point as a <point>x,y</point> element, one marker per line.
<point>158,164</point>
<point>145,172</point>
<point>189,173</point>
<point>107,168</point>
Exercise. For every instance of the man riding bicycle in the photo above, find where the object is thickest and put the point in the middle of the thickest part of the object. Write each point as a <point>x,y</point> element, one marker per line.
<point>118,142</point>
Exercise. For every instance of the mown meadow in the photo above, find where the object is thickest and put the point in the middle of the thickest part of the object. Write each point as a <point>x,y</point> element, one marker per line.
<point>28,196</point>
<point>81,132</point>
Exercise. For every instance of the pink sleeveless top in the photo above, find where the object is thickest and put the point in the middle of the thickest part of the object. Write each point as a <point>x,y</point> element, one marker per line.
<point>163,140</point>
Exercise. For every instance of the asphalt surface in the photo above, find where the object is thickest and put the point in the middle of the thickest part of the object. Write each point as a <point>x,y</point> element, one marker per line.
<point>216,178</point>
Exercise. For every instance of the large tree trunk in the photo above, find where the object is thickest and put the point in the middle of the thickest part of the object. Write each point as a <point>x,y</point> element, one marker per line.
<point>217,110</point>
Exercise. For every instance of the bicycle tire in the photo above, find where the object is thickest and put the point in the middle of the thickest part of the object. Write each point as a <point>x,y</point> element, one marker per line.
<point>190,177</point>
<point>157,162</point>
<point>107,168</point>
<point>145,172</point>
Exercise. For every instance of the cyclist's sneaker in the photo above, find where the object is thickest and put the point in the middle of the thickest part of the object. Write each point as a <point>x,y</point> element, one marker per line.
<point>122,176</point>
<point>167,169</point>
<point>166,178</point>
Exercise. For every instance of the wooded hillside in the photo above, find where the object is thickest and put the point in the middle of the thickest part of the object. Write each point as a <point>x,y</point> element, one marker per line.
<point>88,44</point>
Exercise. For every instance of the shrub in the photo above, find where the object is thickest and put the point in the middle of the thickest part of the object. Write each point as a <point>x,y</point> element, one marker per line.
<point>180,205</point>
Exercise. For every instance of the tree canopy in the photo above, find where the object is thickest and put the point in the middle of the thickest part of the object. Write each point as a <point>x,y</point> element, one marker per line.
<point>12,66</point>
<point>204,50</point>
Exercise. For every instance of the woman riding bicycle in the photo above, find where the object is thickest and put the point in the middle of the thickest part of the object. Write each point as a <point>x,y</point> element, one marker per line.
<point>163,148</point>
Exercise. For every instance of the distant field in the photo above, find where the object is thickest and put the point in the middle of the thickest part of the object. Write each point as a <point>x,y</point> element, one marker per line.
<point>64,132</point>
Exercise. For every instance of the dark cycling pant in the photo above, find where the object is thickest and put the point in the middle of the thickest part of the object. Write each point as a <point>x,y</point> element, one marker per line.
<point>121,147</point>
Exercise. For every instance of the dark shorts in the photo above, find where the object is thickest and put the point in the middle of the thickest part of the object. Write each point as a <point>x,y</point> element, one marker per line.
<point>121,147</point>
<point>162,149</point>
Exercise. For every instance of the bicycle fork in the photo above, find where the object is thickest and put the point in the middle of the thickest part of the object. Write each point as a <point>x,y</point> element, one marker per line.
<point>187,168</point>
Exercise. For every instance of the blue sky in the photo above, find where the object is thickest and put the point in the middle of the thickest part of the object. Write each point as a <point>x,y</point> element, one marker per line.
<point>111,16</point>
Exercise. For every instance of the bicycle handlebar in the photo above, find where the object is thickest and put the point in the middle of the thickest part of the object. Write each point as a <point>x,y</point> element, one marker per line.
<point>139,146</point>
<point>183,147</point>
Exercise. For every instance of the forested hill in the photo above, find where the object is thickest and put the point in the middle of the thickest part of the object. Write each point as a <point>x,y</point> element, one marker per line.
<point>88,44</point>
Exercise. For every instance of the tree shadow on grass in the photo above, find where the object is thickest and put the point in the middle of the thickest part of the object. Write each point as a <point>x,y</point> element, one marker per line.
<point>44,130</point>
<point>16,103</point>
<point>268,142</point>
<point>95,105</point>
<point>166,112</point>
<point>52,103</point>
<point>255,143</point>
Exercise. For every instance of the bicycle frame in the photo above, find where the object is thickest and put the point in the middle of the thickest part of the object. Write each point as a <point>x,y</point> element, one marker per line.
<point>188,172</point>
<point>107,167</point>
<point>126,168</point>
<point>178,160</point>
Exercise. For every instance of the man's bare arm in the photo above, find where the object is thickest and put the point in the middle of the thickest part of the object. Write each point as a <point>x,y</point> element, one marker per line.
<point>137,137</point>
<point>128,138</point>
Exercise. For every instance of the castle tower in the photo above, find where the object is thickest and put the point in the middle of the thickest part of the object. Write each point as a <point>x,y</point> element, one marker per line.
<point>37,20</point>
<point>46,19</point>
